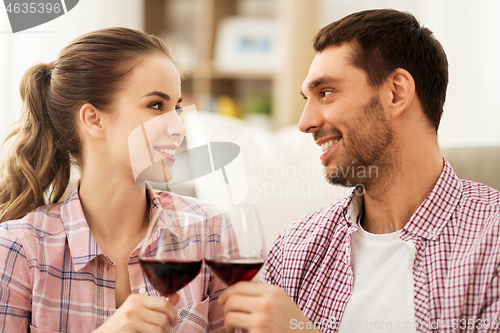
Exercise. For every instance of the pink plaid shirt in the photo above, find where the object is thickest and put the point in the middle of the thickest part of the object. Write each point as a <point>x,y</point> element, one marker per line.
<point>456,233</point>
<point>55,278</point>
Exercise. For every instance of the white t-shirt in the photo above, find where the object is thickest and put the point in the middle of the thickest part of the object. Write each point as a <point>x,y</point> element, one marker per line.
<point>382,298</point>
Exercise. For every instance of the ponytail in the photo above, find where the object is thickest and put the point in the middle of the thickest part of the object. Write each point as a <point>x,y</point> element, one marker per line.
<point>46,141</point>
<point>35,171</point>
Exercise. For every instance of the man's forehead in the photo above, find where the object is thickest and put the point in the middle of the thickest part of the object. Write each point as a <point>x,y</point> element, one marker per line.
<point>329,66</point>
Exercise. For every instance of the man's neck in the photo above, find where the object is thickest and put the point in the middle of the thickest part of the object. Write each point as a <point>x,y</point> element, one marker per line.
<point>390,203</point>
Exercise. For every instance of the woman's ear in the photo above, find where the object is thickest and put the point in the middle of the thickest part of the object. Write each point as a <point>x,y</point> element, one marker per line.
<point>91,121</point>
<point>400,92</point>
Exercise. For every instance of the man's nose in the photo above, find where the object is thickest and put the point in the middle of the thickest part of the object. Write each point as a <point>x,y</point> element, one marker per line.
<point>311,118</point>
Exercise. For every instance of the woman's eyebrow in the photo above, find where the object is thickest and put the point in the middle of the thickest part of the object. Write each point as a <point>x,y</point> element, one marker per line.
<point>159,94</point>
<point>180,100</point>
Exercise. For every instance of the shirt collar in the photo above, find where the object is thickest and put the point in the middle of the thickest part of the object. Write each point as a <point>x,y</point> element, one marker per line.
<point>82,245</point>
<point>353,206</point>
<point>430,218</point>
<point>434,213</point>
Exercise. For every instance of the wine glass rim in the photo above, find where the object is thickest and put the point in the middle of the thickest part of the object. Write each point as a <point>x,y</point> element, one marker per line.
<point>155,218</point>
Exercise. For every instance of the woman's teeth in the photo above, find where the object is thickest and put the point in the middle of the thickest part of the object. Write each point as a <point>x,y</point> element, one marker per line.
<point>170,152</point>
<point>328,144</point>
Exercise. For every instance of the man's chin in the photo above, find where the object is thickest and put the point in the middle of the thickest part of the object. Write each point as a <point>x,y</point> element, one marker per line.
<point>343,175</point>
<point>329,162</point>
<point>339,181</point>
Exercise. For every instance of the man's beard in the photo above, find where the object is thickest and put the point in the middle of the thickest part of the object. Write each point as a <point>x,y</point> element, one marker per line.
<point>364,151</point>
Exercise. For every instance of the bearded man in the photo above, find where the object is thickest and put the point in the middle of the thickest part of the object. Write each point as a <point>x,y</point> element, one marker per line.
<point>414,248</point>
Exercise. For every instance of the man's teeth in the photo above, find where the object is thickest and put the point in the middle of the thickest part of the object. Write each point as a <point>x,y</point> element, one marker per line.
<point>328,144</point>
<point>170,152</point>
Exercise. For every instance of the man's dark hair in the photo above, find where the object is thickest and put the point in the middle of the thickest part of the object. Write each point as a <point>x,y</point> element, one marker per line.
<point>387,39</point>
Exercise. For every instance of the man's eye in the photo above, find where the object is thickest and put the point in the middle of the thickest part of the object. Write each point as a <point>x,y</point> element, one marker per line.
<point>179,110</point>
<point>157,106</point>
<point>325,93</point>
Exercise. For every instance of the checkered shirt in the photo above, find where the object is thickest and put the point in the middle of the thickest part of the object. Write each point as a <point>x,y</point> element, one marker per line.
<point>55,278</point>
<point>456,234</point>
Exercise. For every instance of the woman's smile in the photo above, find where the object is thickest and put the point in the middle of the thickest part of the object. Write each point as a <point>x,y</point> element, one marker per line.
<point>167,152</point>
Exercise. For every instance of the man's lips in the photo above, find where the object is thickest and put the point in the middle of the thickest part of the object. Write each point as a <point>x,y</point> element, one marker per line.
<point>327,145</point>
<point>321,141</point>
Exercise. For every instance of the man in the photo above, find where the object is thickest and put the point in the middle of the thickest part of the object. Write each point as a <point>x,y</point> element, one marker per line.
<point>414,248</point>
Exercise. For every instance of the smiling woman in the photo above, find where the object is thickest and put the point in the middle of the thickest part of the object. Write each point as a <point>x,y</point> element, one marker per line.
<point>74,266</point>
<point>148,100</point>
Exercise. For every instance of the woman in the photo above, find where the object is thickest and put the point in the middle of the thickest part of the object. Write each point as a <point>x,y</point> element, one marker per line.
<point>73,266</point>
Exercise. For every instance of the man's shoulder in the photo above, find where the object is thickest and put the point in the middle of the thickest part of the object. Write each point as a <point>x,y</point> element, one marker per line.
<point>478,213</point>
<point>319,223</point>
<point>477,193</point>
<point>307,244</point>
<point>480,203</point>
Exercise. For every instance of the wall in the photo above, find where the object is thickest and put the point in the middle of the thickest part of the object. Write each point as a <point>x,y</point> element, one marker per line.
<point>20,51</point>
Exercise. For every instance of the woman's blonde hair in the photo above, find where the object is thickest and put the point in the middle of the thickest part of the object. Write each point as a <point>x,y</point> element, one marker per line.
<point>45,142</point>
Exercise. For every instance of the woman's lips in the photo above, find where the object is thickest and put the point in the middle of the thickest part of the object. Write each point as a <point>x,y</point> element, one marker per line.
<point>168,154</point>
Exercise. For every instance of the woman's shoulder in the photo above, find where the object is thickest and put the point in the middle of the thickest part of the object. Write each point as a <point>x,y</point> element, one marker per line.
<point>42,222</point>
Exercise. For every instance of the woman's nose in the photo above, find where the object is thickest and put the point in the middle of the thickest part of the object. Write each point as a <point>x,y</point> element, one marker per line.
<point>174,126</point>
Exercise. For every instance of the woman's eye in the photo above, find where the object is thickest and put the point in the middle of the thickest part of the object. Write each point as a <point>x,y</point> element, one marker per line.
<point>157,106</point>
<point>179,110</point>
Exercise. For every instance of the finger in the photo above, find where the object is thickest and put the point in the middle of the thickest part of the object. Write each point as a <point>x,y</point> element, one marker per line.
<point>238,303</point>
<point>235,320</point>
<point>171,312</point>
<point>243,288</point>
<point>174,298</point>
<point>161,305</point>
<point>172,315</point>
<point>156,303</point>
<point>145,327</point>
<point>155,319</point>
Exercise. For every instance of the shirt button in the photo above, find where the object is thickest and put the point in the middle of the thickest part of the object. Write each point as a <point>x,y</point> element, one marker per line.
<point>142,291</point>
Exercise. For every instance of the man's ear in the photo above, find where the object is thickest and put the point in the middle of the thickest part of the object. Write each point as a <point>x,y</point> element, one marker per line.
<point>400,92</point>
<point>91,121</point>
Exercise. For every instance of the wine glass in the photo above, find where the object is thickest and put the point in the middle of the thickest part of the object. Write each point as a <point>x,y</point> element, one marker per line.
<point>171,255</point>
<point>240,251</point>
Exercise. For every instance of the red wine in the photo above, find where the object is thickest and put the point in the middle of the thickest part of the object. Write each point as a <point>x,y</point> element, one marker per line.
<point>168,276</point>
<point>233,270</point>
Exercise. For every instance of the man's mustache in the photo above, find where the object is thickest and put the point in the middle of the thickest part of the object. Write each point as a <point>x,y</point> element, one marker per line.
<point>321,133</point>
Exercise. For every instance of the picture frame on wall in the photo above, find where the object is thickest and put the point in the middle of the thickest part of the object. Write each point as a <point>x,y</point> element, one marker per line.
<point>247,44</point>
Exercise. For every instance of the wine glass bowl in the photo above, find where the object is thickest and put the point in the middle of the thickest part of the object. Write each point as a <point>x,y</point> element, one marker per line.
<point>239,252</point>
<point>172,252</point>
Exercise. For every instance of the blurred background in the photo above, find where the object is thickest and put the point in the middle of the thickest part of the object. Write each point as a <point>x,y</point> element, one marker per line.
<point>244,62</point>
